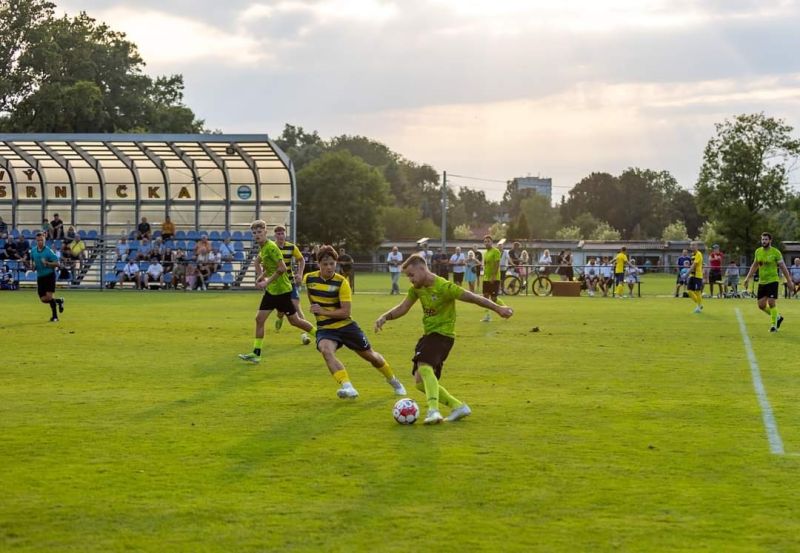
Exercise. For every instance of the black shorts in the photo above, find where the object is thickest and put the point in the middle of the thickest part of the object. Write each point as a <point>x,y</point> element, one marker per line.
<point>768,290</point>
<point>432,349</point>
<point>282,303</point>
<point>695,284</point>
<point>458,278</point>
<point>351,336</point>
<point>619,278</point>
<point>491,287</point>
<point>45,284</point>
<point>715,275</point>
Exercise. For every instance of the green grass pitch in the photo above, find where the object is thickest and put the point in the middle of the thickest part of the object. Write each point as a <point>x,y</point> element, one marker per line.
<point>621,425</point>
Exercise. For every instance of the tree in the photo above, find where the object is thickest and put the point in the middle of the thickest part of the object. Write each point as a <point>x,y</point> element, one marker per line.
<point>604,231</point>
<point>674,232</point>
<point>77,75</point>
<point>521,229</point>
<point>462,232</point>
<point>498,231</point>
<point>569,233</point>
<point>476,207</point>
<point>339,188</point>
<point>407,223</point>
<point>543,219</point>
<point>301,147</point>
<point>745,174</point>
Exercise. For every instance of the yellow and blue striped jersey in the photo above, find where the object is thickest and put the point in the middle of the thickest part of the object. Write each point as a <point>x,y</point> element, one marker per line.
<point>329,294</point>
<point>290,252</point>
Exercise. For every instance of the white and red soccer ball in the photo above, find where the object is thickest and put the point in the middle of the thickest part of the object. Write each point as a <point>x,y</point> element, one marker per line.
<point>406,411</point>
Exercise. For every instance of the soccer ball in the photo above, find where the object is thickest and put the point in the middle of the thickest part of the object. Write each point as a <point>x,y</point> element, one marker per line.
<point>406,411</point>
<point>305,339</point>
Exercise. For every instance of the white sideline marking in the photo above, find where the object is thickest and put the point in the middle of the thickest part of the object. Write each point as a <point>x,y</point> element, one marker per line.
<point>775,442</point>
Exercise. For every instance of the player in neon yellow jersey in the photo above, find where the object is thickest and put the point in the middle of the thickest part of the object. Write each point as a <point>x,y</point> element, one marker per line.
<point>491,274</point>
<point>768,259</point>
<point>438,299</point>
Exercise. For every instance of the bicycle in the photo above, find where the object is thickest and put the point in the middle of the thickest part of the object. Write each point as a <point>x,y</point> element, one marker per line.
<point>513,283</point>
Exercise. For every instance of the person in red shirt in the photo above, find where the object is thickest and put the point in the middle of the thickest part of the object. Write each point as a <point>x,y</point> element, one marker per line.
<point>715,259</point>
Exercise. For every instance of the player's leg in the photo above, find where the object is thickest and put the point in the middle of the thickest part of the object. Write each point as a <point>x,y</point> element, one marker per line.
<point>262,315</point>
<point>379,362</point>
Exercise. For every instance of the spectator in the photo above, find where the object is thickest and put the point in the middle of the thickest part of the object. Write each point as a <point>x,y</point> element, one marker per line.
<point>394,260</point>
<point>167,228</point>
<point>479,257</point>
<point>194,278</point>
<point>592,277</point>
<point>346,268</point>
<point>23,251</point>
<point>168,260</point>
<point>70,235</point>
<point>154,275</point>
<point>156,249</point>
<point>606,275</point>
<point>683,277</point>
<point>427,253</point>
<point>794,270</point>
<point>179,269</point>
<point>202,247</point>
<point>732,279</point>
<point>204,268</point>
<point>312,265</point>
<point>525,260</point>
<point>440,264</point>
<point>545,261</point>
<point>143,230</point>
<point>458,264</point>
<point>473,269</point>
<point>10,250</point>
<point>47,229</point>
<point>130,273</point>
<point>715,259</point>
<point>565,261</point>
<point>515,258</point>
<point>214,260</point>
<point>3,229</point>
<point>8,280</point>
<point>56,228</point>
<point>122,249</point>
<point>143,253</point>
<point>227,250</point>
<point>505,261</point>
<point>77,249</point>
<point>631,275</point>
<point>67,262</point>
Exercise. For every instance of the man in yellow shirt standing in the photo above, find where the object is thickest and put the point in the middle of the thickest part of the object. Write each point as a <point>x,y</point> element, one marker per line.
<point>695,285</point>
<point>620,261</point>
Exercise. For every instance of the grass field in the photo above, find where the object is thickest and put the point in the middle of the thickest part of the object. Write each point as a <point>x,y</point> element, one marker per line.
<point>622,424</point>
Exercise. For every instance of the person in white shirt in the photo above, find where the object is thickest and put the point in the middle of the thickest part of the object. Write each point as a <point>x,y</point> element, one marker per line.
<point>227,250</point>
<point>155,274</point>
<point>632,275</point>
<point>606,275</point>
<point>130,273</point>
<point>458,262</point>
<point>394,260</point>
<point>794,270</point>
<point>505,261</point>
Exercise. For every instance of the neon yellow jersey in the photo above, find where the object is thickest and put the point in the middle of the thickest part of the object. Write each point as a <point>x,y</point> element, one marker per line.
<point>697,260</point>
<point>438,306</point>
<point>330,295</point>
<point>619,262</point>
<point>491,264</point>
<point>270,256</point>
<point>768,260</point>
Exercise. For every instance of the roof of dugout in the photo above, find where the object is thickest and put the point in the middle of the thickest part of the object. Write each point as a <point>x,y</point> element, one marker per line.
<point>201,180</point>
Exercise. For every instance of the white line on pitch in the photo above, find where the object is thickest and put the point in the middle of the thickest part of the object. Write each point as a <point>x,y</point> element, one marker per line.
<point>775,442</point>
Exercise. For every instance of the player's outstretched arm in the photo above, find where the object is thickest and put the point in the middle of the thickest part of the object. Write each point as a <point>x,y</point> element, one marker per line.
<point>750,273</point>
<point>470,297</point>
<point>394,313</point>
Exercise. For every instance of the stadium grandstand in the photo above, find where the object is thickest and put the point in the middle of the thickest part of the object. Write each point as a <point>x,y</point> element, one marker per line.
<point>210,185</point>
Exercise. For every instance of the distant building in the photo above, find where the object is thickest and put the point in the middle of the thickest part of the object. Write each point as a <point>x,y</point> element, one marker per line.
<point>543,187</point>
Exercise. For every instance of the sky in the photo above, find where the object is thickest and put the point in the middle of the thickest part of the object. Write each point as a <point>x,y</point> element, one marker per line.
<point>488,89</point>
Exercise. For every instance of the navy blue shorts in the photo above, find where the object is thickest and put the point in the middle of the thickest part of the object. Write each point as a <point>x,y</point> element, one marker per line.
<point>351,336</point>
<point>619,278</point>
<point>695,284</point>
<point>295,292</point>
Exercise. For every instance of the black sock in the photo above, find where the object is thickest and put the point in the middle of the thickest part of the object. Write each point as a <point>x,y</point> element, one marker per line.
<point>53,308</point>
<point>257,351</point>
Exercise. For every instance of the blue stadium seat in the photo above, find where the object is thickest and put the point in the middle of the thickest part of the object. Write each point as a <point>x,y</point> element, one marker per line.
<point>193,235</point>
<point>227,268</point>
<point>215,278</point>
<point>237,235</point>
<point>156,234</point>
<point>224,234</point>
<point>82,234</point>
<point>110,277</point>
<point>169,244</point>
<point>213,235</point>
<point>180,235</point>
<point>2,243</point>
<point>167,278</point>
<point>91,235</point>
<point>119,266</point>
<point>238,246</point>
<point>28,234</point>
<point>14,233</point>
<point>216,244</point>
<point>180,245</point>
<point>227,279</point>
<point>143,266</point>
<point>190,244</point>
<point>247,235</point>
<point>29,276</point>
<point>238,256</point>
<point>11,264</point>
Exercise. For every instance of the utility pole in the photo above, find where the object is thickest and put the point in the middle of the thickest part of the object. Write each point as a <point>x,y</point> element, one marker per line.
<point>444,210</point>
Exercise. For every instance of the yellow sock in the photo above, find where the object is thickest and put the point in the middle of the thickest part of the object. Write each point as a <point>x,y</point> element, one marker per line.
<point>431,386</point>
<point>447,399</point>
<point>313,331</point>
<point>773,315</point>
<point>618,290</point>
<point>386,370</point>
<point>341,376</point>
<point>258,343</point>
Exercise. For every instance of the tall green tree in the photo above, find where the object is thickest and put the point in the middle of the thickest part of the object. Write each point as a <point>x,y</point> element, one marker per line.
<point>340,200</point>
<point>745,174</point>
<point>543,219</point>
<point>74,74</point>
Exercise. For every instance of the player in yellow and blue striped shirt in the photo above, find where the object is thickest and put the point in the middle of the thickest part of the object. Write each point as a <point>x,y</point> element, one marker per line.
<point>331,299</point>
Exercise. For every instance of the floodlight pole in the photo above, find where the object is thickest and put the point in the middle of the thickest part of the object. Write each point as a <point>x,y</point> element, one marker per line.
<point>444,210</point>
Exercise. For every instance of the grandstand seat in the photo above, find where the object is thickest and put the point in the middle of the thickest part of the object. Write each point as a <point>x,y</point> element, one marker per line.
<point>169,244</point>
<point>14,233</point>
<point>143,266</point>
<point>247,235</point>
<point>213,235</point>
<point>227,267</point>
<point>27,234</point>
<point>11,264</point>
<point>237,235</point>
<point>82,234</point>
<point>156,234</point>
<point>119,266</point>
<point>2,243</point>
<point>216,244</point>
<point>193,235</point>
<point>91,235</point>
<point>110,277</point>
<point>29,276</point>
<point>238,256</point>
<point>215,278</point>
<point>190,244</point>
<point>227,279</point>
<point>180,245</point>
<point>224,234</point>
<point>180,235</point>
<point>238,246</point>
